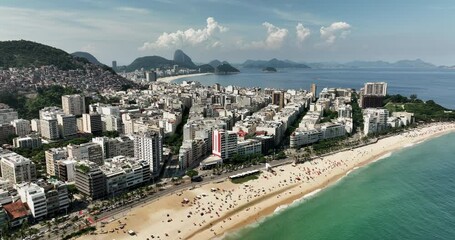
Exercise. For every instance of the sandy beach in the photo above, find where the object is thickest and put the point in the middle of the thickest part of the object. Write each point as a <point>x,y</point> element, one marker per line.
<point>218,208</point>
<point>173,78</point>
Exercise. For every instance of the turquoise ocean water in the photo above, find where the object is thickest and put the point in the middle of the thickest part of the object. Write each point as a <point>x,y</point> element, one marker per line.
<point>408,195</point>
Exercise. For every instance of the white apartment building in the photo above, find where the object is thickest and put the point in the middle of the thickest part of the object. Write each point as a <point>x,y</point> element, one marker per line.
<point>22,127</point>
<point>305,137</point>
<point>73,104</point>
<point>52,156</point>
<point>7,114</point>
<point>374,120</point>
<point>27,142</point>
<point>49,128</point>
<point>87,151</point>
<point>249,146</point>
<point>16,168</point>
<point>113,147</point>
<point>91,123</point>
<point>224,143</point>
<point>35,198</point>
<point>376,88</point>
<point>67,125</point>
<point>35,125</point>
<point>149,147</point>
<point>123,173</point>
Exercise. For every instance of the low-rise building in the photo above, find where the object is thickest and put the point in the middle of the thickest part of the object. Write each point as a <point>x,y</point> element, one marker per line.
<point>87,151</point>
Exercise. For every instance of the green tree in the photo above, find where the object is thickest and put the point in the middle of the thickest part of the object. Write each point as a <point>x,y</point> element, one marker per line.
<point>192,173</point>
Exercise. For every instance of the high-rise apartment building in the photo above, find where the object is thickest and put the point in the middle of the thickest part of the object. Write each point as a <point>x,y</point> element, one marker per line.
<point>73,104</point>
<point>278,98</point>
<point>149,147</point>
<point>372,94</point>
<point>49,128</point>
<point>67,125</point>
<point>7,114</point>
<point>22,127</point>
<point>313,90</point>
<point>52,156</point>
<point>91,123</point>
<point>224,143</point>
<point>16,168</point>
<point>90,180</point>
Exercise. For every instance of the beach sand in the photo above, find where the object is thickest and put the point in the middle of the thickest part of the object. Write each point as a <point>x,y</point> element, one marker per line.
<point>173,78</point>
<point>211,214</point>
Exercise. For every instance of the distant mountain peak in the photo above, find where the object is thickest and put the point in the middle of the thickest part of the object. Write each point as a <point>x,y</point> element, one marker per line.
<point>181,58</point>
<point>87,56</point>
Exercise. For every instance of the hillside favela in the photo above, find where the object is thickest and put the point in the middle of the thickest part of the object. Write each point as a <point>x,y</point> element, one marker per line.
<point>229,120</point>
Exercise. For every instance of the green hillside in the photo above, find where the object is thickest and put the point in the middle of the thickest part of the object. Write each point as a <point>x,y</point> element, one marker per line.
<point>31,54</point>
<point>226,68</point>
<point>149,62</point>
<point>428,111</point>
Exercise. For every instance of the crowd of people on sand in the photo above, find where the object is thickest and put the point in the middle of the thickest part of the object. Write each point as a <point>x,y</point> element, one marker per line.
<point>429,129</point>
<point>218,208</point>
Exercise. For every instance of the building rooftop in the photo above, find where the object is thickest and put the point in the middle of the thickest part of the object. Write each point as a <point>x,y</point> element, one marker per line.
<point>16,210</point>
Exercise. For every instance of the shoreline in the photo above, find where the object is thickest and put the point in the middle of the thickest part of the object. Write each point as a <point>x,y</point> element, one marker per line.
<point>269,211</point>
<point>156,218</point>
<point>173,78</point>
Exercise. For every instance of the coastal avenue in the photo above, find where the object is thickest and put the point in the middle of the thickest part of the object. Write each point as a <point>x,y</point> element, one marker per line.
<point>121,211</point>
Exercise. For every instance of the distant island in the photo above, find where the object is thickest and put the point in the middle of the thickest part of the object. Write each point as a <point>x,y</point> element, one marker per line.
<point>225,69</point>
<point>275,63</point>
<point>269,69</point>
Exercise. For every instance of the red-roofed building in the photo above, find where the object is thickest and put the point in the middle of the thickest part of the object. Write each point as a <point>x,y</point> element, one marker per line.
<point>17,213</point>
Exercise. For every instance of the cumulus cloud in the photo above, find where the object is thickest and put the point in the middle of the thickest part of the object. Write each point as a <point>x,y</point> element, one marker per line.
<point>274,40</point>
<point>302,33</point>
<point>191,37</point>
<point>335,30</point>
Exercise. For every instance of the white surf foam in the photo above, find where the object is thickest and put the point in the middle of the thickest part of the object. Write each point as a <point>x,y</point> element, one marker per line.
<point>383,156</point>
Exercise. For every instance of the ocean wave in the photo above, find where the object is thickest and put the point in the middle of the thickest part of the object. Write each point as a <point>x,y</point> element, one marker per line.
<point>280,208</point>
<point>383,156</point>
<point>408,145</point>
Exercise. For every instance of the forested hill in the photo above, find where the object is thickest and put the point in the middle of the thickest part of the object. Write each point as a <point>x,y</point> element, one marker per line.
<point>24,53</point>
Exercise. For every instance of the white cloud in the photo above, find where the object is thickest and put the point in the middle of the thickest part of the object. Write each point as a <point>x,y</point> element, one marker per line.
<point>133,10</point>
<point>337,29</point>
<point>275,38</point>
<point>190,37</point>
<point>302,33</point>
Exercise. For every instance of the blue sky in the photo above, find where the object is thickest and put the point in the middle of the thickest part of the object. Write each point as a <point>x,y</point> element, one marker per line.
<point>236,30</point>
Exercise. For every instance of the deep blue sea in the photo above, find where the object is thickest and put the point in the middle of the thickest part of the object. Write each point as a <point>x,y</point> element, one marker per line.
<point>409,195</point>
<point>438,85</point>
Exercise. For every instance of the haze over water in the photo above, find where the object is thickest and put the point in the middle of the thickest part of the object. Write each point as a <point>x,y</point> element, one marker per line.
<point>409,195</point>
<point>437,84</point>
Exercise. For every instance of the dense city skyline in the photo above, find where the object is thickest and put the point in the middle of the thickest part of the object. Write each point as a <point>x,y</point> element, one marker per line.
<point>235,31</point>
